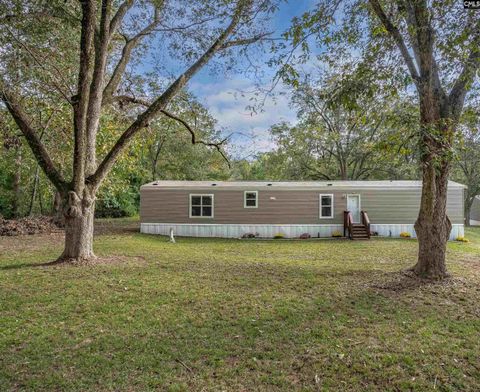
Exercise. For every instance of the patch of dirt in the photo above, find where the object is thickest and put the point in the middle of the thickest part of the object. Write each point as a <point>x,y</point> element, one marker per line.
<point>457,295</point>
<point>28,226</point>
<point>406,281</point>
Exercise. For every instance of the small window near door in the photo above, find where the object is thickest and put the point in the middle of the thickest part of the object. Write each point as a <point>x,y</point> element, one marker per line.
<point>250,199</point>
<point>201,206</point>
<point>326,206</point>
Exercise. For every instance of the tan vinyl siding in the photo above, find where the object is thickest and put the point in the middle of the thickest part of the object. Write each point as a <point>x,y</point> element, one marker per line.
<point>475,210</point>
<point>402,205</point>
<point>456,206</point>
<point>297,207</point>
<point>289,206</point>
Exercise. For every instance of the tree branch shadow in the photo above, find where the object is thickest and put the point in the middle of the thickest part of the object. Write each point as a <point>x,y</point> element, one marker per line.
<point>95,261</point>
<point>27,265</point>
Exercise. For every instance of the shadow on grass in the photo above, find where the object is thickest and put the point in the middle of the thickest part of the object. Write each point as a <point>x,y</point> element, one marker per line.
<point>27,265</point>
<point>93,262</point>
<point>404,281</point>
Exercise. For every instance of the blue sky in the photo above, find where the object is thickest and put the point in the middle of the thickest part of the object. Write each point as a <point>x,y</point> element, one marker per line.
<point>220,94</point>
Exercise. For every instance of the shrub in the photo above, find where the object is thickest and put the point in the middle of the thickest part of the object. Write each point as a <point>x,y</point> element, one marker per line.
<point>112,204</point>
<point>249,235</point>
<point>336,234</point>
<point>279,236</point>
<point>405,234</point>
<point>461,239</point>
<point>305,236</point>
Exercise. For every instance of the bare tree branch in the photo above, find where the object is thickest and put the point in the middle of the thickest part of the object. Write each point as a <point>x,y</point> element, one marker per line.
<point>83,91</point>
<point>187,26</point>
<point>96,87</point>
<point>244,41</point>
<point>194,139</point>
<point>143,102</point>
<point>24,124</point>
<point>161,102</point>
<point>459,90</point>
<point>119,15</point>
<point>412,27</point>
<point>129,99</point>
<point>397,36</point>
<point>130,44</point>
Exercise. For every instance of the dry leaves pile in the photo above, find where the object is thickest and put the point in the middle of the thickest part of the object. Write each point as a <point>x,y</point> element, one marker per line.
<point>29,225</point>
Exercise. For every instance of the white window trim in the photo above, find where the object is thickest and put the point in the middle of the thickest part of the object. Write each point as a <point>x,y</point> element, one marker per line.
<point>190,205</point>
<point>320,206</point>
<point>245,199</point>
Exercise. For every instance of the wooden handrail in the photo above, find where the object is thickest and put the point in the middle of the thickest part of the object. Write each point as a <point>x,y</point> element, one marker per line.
<point>350,225</point>
<point>366,222</point>
<point>347,224</point>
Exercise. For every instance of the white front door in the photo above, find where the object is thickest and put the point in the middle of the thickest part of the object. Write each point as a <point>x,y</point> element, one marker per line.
<point>353,205</point>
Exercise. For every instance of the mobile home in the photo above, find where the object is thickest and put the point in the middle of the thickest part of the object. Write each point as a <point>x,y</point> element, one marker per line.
<point>319,208</point>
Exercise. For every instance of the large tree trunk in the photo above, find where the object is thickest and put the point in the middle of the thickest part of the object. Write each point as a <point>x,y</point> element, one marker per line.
<point>468,207</point>
<point>17,192</point>
<point>57,209</point>
<point>433,226</point>
<point>467,215</point>
<point>34,190</point>
<point>40,201</point>
<point>79,217</point>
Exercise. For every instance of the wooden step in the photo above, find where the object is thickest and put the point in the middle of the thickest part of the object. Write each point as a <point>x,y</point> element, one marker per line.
<point>359,232</point>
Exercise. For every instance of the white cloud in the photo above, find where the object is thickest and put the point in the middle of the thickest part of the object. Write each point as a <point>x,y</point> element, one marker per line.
<point>227,101</point>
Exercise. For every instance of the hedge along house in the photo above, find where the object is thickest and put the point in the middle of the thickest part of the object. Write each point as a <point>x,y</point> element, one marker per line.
<point>232,209</point>
<point>475,212</point>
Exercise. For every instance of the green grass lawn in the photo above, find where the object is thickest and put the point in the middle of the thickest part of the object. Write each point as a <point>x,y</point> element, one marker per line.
<point>212,314</point>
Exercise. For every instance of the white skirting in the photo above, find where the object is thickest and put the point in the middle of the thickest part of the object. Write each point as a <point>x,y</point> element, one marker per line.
<point>236,231</point>
<point>268,231</point>
<point>394,230</point>
<point>474,222</point>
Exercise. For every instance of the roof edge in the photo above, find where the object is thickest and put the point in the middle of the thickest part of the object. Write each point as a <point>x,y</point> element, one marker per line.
<point>291,184</point>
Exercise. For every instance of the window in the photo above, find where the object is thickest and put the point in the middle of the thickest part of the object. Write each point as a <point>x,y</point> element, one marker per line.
<point>201,206</point>
<point>250,199</point>
<point>326,206</point>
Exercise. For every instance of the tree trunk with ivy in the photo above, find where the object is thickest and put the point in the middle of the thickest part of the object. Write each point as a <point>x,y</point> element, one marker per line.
<point>433,226</point>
